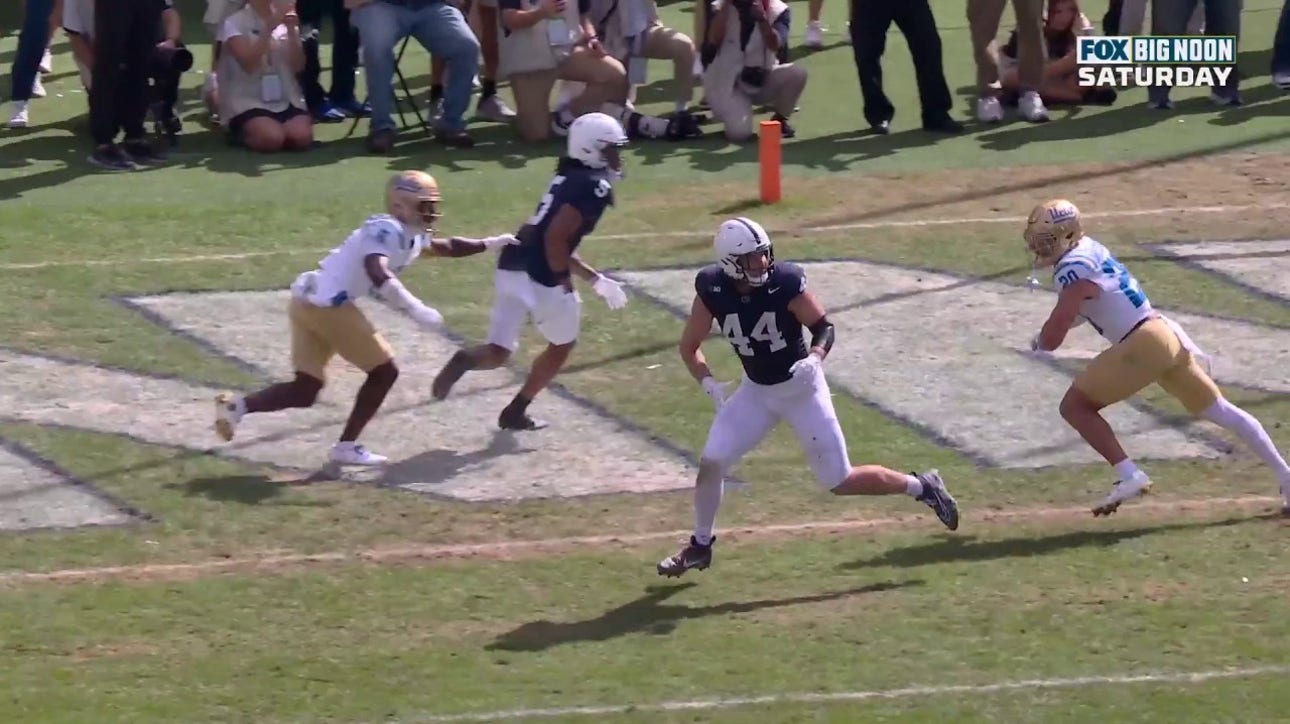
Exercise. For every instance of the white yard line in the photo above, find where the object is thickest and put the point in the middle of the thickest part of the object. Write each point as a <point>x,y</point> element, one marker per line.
<point>1181,677</point>
<point>161,571</point>
<point>199,258</point>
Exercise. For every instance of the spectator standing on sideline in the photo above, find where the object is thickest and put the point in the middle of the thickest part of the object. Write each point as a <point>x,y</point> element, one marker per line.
<point>984,17</point>
<point>123,44</point>
<point>1222,17</point>
<point>33,43</point>
<point>870,20</point>
<point>340,103</point>
<point>1281,50</point>
<point>442,30</point>
<point>1127,17</point>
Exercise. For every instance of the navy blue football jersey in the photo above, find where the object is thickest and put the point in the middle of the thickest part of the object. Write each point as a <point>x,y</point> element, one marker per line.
<point>588,190</point>
<point>764,333</point>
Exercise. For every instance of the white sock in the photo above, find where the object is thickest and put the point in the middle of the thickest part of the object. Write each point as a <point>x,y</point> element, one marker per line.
<point>681,105</point>
<point>707,500</point>
<point>1248,428</point>
<point>913,486</point>
<point>1126,469</point>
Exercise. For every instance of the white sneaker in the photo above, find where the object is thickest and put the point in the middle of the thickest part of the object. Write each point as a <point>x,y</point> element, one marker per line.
<point>814,35</point>
<point>1282,79</point>
<point>352,453</point>
<point>1285,497</point>
<point>19,117</point>
<point>38,88</point>
<point>47,62</point>
<point>493,108</point>
<point>228,412</point>
<point>1123,490</point>
<point>989,109</point>
<point>1032,107</point>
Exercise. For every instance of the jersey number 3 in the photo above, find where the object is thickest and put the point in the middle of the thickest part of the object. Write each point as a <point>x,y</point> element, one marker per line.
<point>547,199</point>
<point>765,330</point>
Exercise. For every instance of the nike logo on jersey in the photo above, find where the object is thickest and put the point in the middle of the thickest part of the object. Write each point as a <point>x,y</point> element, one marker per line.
<point>772,290</point>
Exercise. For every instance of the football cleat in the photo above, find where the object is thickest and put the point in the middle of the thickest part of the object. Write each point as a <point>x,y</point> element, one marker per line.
<point>693,555</point>
<point>351,453</point>
<point>1123,490</point>
<point>510,420</point>
<point>938,498</point>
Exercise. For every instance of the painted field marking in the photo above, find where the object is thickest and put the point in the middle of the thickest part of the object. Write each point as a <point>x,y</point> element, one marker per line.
<point>1167,677</point>
<point>523,548</point>
<point>911,223</point>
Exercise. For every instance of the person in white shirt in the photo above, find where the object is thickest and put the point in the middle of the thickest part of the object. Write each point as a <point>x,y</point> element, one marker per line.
<point>1146,347</point>
<point>325,321</point>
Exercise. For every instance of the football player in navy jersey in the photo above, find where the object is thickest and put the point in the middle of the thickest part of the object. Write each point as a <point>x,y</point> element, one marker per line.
<point>761,306</point>
<point>536,276</point>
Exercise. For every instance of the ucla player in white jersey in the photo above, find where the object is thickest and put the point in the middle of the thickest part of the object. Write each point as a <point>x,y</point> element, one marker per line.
<point>1146,347</point>
<point>325,321</point>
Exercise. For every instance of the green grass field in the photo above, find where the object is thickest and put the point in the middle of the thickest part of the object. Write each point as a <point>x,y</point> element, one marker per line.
<point>150,573</point>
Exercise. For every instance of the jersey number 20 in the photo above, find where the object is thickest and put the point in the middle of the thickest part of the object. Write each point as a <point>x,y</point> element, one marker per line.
<point>545,205</point>
<point>765,330</point>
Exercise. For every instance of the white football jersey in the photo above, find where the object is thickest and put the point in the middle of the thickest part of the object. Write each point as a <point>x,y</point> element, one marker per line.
<point>1122,303</point>
<point>341,277</point>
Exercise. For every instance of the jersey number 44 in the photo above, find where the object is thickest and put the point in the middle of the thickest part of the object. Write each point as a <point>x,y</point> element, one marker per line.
<point>766,330</point>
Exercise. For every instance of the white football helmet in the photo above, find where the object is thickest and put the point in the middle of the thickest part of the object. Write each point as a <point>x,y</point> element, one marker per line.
<point>736,240</point>
<point>594,139</point>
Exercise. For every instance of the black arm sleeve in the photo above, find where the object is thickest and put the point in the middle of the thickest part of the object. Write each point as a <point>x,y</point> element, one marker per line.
<point>822,334</point>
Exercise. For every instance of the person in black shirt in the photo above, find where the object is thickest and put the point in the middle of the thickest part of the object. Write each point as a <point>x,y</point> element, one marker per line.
<point>761,306</point>
<point>125,40</point>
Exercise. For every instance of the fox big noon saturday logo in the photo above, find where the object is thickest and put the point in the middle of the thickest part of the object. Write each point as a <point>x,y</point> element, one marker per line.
<point>1145,60</point>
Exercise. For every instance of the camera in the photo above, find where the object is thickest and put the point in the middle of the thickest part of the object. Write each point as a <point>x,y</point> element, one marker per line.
<point>164,68</point>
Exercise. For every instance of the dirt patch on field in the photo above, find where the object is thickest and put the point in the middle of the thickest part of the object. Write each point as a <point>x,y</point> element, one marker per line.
<point>113,651</point>
<point>525,549</point>
<point>1242,181</point>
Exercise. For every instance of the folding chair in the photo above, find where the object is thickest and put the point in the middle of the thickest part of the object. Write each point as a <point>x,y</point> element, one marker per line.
<point>399,102</point>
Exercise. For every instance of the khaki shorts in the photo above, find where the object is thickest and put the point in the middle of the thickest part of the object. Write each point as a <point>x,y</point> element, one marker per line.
<point>1151,353</point>
<point>319,333</point>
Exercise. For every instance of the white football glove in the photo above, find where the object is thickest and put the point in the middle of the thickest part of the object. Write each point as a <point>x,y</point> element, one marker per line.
<point>715,390</point>
<point>805,370</point>
<point>496,242</point>
<point>611,291</point>
<point>427,317</point>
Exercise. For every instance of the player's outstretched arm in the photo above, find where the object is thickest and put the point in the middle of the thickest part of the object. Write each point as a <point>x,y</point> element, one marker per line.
<point>810,313</point>
<point>1065,311</point>
<point>390,290</point>
<point>466,246</point>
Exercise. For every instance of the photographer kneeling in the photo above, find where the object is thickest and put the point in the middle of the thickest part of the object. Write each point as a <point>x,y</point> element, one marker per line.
<point>744,38</point>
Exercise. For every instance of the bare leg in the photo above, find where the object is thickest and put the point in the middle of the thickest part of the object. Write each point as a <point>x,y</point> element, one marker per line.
<point>300,392</point>
<point>369,399</point>
<point>481,357</point>
<point>1083,414</point>
<point>545,368</point>
<point>875,480</point>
